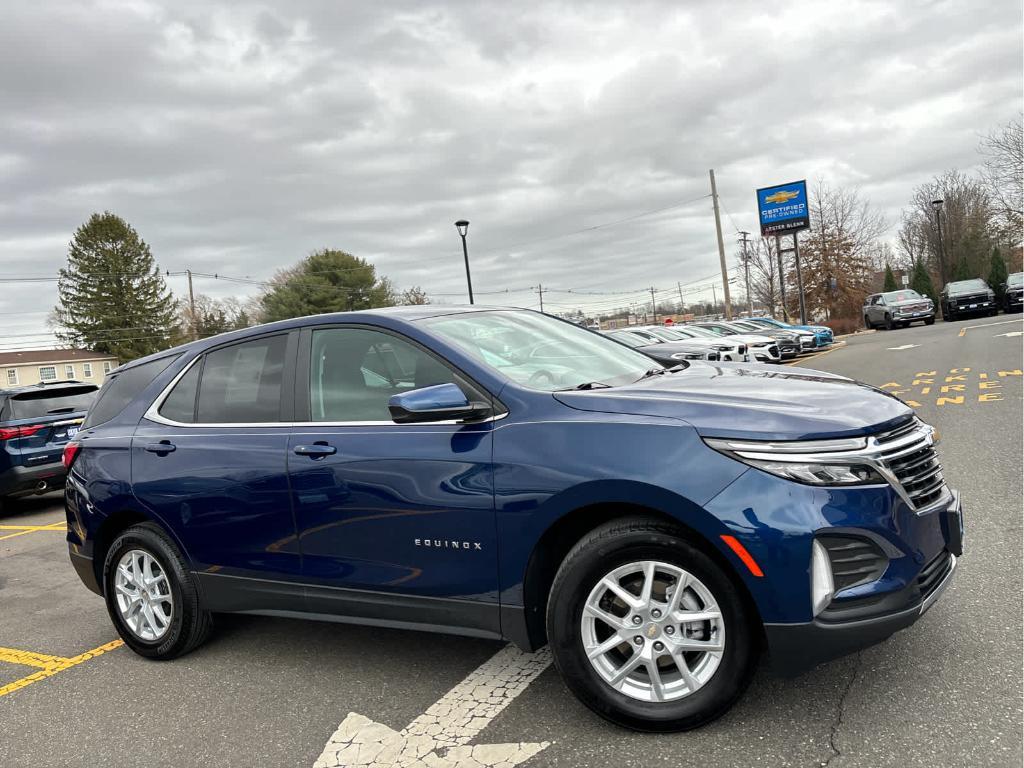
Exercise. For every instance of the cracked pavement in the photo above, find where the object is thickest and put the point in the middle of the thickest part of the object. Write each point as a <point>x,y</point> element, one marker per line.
<point>272,692</point>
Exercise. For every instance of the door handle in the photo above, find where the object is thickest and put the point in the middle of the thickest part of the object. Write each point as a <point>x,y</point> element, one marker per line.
<point>162,448</point>
<point>316,450</point>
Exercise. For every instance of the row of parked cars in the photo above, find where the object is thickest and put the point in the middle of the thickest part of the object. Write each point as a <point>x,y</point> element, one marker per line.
<point>898,309</point>
<point>752,339</point>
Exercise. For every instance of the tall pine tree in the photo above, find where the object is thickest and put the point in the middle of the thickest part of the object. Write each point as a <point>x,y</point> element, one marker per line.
<point>890,280</point>
<point>921,281</point>
<point>997,274</point>
<point>111,296</point>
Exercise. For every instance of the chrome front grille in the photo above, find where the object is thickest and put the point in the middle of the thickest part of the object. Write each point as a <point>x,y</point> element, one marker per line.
<point>908,453</point>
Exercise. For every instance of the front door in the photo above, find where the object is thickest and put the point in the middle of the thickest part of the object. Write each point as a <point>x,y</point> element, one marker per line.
<point>403,510</point>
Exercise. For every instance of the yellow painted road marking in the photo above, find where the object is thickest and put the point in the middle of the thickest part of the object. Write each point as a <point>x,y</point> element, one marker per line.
<point>798,361</point>
<point>963,331</point>
<point>21,530</point>
<point>47,665</point>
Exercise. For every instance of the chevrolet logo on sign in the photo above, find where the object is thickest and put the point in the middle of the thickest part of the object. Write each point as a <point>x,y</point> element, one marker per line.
<point>782,196</point>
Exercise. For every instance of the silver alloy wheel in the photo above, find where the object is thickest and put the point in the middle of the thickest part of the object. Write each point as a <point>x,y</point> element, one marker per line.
<point>143,595</point>
<point>653,631</point>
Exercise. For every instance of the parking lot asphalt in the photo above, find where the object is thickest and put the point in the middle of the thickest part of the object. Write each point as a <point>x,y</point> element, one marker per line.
<point>272,692</point>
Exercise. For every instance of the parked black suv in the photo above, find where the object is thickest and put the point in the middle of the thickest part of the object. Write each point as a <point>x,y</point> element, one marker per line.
<point>1013,292</point>
<point>36,422</point>
<point>967,297</point>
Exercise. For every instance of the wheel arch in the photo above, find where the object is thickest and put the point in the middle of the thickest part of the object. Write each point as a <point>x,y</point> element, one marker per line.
<point>564,532</point>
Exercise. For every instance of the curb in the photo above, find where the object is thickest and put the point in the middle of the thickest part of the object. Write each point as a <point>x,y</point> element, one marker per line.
<point>855,333</point>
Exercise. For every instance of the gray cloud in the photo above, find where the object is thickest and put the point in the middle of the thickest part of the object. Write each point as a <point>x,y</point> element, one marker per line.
<point>238,137</point>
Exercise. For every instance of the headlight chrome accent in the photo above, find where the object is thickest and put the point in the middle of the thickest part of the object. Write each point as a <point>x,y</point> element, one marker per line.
<point>822,586</point>
<point>848,461</point>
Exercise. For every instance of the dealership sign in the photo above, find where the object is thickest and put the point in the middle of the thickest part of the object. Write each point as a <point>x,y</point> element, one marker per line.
<point>783,208</point>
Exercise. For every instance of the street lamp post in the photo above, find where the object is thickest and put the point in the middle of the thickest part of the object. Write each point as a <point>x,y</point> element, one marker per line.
<point>463,226</point>
<point>937,207</point>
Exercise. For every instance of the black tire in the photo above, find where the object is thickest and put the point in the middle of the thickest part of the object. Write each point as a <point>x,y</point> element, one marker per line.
<point>949,316</point>
<point>930,321</point>
<point>618,543</point>
<point>867,323</point>
<point>888,323</point>
<point>190,625</point>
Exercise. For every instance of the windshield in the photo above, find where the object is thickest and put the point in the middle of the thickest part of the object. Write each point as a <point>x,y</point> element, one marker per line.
<point>893,296</point>
<point>746,326</point>
<point>700,332</point>
<point>507,341</point>
<point>720,330</point>
<point>629,339</point>
<point>967,286</point>
<point>664,334</point>
<point>1015,280</point>
<point>766,321</point>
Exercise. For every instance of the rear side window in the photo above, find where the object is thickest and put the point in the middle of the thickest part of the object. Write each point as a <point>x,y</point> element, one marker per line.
<point>121,388</point>
<point>180,404</point>
<point>49,402</point>
<point>242,383</point>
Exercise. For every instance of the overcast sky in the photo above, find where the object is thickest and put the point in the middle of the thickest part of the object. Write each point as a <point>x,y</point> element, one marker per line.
<point>238,137</point>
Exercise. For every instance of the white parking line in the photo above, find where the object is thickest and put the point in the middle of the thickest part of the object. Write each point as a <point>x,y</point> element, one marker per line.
<point>439,738</point>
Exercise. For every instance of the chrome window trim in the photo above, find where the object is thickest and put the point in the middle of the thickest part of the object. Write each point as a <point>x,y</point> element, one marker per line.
<point>153,414</point>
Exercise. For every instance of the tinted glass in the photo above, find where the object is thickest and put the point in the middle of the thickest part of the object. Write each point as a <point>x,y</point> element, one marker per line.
<point>355,371</point>
<point>37,405</point>
<point>121,388</point>
<point>504,341</point>
<point>908,295</point>
<point>242,383</point>
<point>967,286</point>
<point>180,403</point>
<point>628,339</point>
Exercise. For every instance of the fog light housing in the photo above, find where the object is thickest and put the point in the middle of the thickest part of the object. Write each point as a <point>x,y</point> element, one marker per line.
<point>822,586</point>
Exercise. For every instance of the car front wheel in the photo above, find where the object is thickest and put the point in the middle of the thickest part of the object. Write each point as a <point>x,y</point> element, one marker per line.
<point>647,630</point>
<point>151,596</point>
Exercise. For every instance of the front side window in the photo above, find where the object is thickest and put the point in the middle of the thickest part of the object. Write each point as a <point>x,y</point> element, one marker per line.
<point>12,375</point>
<point>242,383</point>
<point>505,340</point>
<point>355,371</point>
<point>48,373</point>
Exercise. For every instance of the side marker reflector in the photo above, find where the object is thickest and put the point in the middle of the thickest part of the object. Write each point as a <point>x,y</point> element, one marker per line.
<point>742,554</point>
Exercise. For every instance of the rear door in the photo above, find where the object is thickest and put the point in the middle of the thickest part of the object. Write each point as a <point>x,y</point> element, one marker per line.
<point>208,459</point>
<point>393,508</point>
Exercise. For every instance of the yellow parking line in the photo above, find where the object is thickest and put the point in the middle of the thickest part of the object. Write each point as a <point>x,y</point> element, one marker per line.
<point>21,530</point>
<point>798,361</point>
<point>47,665</point>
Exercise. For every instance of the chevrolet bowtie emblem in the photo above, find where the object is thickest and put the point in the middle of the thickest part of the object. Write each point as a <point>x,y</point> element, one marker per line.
<point>782,196</point>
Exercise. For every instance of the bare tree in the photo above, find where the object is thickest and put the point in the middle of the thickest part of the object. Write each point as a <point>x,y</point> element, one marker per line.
<point>840,253</point>
<point>414,295</point>
<point>764,273</point>
<point>1003,171</point>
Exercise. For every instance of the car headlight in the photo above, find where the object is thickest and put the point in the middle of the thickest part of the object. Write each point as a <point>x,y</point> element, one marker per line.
<point>811,462</point>
<point>687,356</point>
<point>720,348</point>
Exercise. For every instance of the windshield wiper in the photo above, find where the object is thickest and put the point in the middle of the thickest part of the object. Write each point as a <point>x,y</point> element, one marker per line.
<point>660,371</point>
<point>586,385</point>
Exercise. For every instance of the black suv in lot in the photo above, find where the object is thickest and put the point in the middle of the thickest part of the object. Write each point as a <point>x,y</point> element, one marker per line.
<point>1013,297</point>
<point>967,297</point>
<point>36,422</point>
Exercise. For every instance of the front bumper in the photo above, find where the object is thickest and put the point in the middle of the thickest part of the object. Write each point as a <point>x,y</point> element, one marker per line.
<point>24,481</point>
<point>795,648</point>
<point>911,317</point>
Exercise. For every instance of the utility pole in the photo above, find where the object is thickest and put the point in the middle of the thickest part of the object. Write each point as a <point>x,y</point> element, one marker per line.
<point>192,306</point>
<point>714,301</point>
<point>540,295</point>
<point>782,278</point>
<point>799,277</point>
<point>746,272</point>
<point>654,307</point>
<point>721,245</point>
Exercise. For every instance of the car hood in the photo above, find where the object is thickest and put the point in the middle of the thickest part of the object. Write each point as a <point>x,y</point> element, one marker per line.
<point>751,338</point>
<point>754,402</point>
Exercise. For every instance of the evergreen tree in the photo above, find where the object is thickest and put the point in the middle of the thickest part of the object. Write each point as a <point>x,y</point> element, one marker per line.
<point>997,274</point>
<point>963,270</point>
<point>111,296</point>
<point>326,281</point>
<point>890,280</point>
<point>921,281</point>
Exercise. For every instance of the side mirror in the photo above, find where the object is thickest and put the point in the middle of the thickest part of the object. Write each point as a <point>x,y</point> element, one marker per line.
<point>443,402</point>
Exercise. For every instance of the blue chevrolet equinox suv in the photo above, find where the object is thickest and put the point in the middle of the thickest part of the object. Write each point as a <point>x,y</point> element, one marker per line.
<point>425,468</point>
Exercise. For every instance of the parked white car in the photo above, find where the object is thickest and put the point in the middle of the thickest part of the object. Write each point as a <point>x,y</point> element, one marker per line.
<point>728,350</point>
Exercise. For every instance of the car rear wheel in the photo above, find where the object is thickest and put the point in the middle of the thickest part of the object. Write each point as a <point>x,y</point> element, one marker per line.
<point>647,630</point>
<point>151,596</point>
<point>867,323</point>
<point>888,323</point>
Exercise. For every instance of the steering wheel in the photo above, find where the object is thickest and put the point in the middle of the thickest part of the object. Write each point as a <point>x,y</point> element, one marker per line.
<point>541,379</point>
